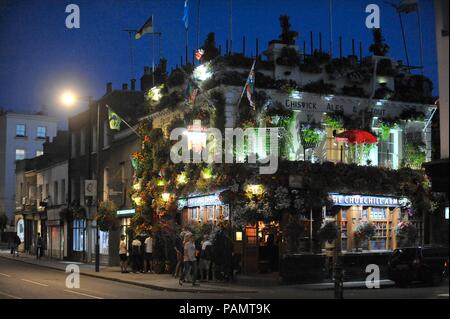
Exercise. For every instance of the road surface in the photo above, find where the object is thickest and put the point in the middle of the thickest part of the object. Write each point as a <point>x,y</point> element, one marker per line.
<point>20,280</point>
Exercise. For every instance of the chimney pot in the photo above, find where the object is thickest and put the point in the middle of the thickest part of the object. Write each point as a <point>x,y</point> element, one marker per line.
<point>109,87</point>
<point>125,87</point>
<point>133,84</point>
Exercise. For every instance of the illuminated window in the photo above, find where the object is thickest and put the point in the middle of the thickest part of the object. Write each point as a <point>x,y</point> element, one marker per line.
<point>39,153</point>
<point>20,154</point>
<point>79,235</point>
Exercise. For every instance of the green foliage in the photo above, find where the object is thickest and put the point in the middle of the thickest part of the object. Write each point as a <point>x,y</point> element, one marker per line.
<point>365,230</point>
<point>287,36</point>
<point>107,216</point>
<point>334,121</point>
<point>378,47</point>
<point>218,99</point>
<point>310,137</point>
<point>414,155</point>
<point>385,130</point>
<point>170,101</point>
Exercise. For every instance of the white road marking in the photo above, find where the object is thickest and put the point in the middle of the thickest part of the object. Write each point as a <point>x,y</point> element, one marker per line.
<point>5,275</point>
<point>34,282</point>
<point>443,295</point>
<point>82,294</point>
<point>8,295</point>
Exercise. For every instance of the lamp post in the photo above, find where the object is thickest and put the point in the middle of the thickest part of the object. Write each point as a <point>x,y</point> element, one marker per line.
<point>68,98</point>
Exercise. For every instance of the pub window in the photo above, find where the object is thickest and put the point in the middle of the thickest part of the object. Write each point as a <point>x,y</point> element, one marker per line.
<point>55,193</point>
<point>79,235</point>
<point>210,212</point>
<point>386,152</point>
<point>194,213</point>
<point>226,212</point>
<point>20,154</point>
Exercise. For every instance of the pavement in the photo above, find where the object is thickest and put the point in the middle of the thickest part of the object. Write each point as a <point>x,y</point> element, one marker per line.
<point>25,277</point>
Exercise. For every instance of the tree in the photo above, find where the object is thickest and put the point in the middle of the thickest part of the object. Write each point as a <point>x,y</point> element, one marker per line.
<point>211,51</point>
<point>379,46</point>
<point>287,36</point>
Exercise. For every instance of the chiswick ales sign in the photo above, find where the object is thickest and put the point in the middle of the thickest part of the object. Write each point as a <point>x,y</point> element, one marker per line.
<point>314,103</point>
<point>359,200</point>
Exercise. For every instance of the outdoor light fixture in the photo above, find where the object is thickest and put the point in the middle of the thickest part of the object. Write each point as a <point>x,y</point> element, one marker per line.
<point>202,72</point>
<point>296,94</point>
<point>154,94</point>
<point>182,179</point>
<point>160,182</point>
<point>238,236</point>
<point>255,189</point>
<point>196,136</point>
<point>138,200</point>
<point>207,173</point>
<point>165,197</point>
<point>137,186</point>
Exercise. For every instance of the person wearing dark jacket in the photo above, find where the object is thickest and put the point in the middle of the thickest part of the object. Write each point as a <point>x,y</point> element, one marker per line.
<point>39,246</point>
<point>16,244</point>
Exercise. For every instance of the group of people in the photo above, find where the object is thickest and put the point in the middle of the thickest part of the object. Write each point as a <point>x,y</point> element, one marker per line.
<point>141,255</point>
<point>15,243</point>
<point>191,259</point>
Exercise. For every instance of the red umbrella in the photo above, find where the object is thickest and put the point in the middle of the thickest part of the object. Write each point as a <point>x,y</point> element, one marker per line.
<point>356,137</point>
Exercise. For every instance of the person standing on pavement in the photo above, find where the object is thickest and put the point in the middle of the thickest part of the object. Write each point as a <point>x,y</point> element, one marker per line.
<point>148,254</point>
<point>136,255</point>
<point>16,244</point>
<point>123,255</point>
<point>205,258</point>
<point>190,261</point>
<point>39,246</point>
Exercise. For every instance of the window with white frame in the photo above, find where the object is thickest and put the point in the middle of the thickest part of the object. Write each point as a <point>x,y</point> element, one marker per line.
<point>79,235</point>
<point>41,132</point>
<point>20,154</point>
<point>39,153</point>
<point>21,130</point>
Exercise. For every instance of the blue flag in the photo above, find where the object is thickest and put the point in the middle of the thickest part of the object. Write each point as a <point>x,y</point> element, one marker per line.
<point>186,14</point>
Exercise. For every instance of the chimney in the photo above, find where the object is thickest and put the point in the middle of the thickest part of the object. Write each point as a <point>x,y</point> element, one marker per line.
<point>125,87</point>
<point>133,84</point>
<point>108,87</point>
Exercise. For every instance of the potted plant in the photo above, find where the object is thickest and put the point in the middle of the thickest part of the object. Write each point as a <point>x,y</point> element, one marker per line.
<point>107,216</point>
<point>364,231</point>
<point>406,233</point>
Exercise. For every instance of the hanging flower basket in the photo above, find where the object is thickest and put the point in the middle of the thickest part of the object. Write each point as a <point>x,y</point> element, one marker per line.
<point>406,233</point>
<point>328,232</point>
<point>107,216</point>
<point>365,231</point>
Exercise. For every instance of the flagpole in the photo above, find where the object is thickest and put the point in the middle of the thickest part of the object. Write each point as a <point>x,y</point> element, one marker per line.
<point>130,32</point>
<point>420,37</point>
<point>231,26</point>
<point>331,28</point>
<point>126,123</point>
<point>153,52</point>
<point>198,25</point>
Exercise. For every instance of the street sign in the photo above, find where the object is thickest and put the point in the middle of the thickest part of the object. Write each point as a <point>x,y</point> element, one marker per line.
<point>90,188</point>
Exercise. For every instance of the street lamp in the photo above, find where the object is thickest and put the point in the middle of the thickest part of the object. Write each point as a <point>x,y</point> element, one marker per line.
<point>68,98</point>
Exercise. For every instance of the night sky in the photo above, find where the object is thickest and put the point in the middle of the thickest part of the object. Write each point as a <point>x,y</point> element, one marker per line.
<point>39,56</point>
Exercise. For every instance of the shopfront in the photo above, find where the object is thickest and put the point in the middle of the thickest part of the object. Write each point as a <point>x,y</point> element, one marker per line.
<point>56,243</point>
<point>383,212</point>
<point>203,209</point>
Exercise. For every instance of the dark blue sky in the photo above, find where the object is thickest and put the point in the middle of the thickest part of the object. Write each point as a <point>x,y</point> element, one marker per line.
<point>39,56</point>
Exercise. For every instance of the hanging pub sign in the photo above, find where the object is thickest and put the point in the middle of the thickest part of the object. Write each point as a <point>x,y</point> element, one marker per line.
<point>209,200</point>
<point>359,200</point>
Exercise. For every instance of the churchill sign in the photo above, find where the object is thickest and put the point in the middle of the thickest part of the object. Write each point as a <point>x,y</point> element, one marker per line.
<point>358,200</point>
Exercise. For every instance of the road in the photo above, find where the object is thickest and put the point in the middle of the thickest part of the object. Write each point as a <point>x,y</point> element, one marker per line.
<point>19,280</point>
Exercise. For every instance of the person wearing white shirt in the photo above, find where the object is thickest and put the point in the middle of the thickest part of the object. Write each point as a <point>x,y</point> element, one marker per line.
<point>148,254</point>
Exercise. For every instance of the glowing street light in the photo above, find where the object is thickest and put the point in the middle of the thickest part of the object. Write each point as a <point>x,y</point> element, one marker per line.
<point>68,98</point>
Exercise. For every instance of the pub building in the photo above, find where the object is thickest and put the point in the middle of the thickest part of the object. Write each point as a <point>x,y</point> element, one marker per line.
<point>261,246</point>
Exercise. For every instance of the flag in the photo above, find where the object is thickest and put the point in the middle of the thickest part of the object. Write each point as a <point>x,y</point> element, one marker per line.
<point>199,54</point>
<point>250,86</point>
<point>185,18</point>
<point>407,6</point>
<point>114,119</point>
<point>190,94</point>
<point>146,28</point>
